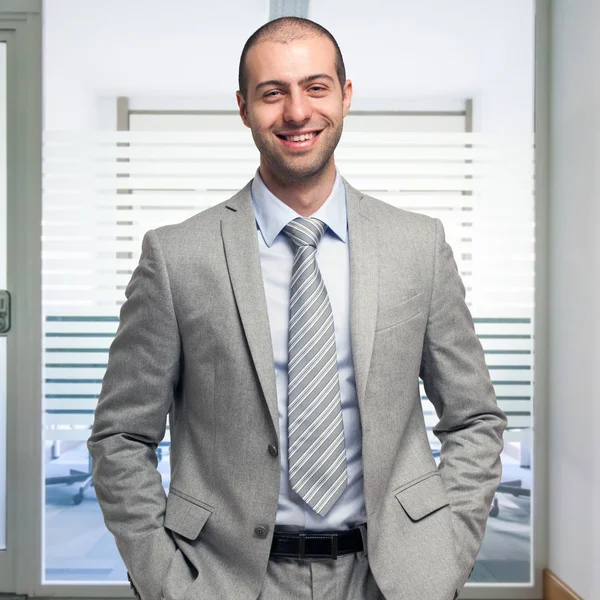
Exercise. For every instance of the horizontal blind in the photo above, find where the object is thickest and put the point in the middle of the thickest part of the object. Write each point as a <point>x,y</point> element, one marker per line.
<point>103,191</point>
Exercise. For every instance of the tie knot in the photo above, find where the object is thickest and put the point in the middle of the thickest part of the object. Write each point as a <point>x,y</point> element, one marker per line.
<point>305,231</point>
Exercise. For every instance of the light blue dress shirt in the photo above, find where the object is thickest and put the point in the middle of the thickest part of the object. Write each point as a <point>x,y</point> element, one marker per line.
<point>276,260</point>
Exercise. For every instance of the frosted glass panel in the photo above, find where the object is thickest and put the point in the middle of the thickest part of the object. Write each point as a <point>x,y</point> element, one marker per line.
<point>103,189</point>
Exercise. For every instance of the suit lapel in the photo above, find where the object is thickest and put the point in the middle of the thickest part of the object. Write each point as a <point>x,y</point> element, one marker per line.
<point>364,281</point>
<point>238,228</point>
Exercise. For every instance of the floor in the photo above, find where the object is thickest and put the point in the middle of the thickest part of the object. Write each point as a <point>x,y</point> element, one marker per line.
<point>79,548</point>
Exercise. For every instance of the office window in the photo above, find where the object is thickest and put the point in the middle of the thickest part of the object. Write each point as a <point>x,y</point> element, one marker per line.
<point>442,124</point>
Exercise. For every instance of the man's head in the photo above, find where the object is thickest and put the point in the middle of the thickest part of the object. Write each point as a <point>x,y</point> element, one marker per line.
<point>294,96</point>
<point>284,31</point>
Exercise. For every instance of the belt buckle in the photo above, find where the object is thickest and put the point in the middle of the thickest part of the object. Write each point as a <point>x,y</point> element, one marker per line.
<point>333,539</point>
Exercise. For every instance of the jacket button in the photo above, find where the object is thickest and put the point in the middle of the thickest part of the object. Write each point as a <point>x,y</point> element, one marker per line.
<point>273,450</point>
<point>261,532</point>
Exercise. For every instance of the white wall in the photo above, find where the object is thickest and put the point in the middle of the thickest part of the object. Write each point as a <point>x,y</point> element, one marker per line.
<point>461,48</point>
<point>400,54</point>
<point>574,297</point>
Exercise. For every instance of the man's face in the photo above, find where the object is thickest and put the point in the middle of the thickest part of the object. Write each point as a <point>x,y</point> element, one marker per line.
<point>295,107</point>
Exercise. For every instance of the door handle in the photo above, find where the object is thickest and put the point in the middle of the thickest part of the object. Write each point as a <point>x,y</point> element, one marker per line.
<point>4,312</point>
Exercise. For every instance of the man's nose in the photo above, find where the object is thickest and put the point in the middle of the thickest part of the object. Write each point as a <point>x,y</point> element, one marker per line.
<point>297,108</point>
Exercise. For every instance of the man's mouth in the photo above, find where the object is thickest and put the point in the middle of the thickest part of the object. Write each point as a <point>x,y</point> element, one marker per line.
<point>299,137</point>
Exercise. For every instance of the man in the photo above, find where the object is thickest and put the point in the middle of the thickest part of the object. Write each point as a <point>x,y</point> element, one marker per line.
<point>284,332</point>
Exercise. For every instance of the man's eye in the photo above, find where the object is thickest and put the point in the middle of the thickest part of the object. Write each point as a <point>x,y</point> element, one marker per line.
<point>317,88</point>
<point>272,94</point>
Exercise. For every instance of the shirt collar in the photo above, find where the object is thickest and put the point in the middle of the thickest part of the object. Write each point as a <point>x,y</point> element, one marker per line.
<point>272,215</point>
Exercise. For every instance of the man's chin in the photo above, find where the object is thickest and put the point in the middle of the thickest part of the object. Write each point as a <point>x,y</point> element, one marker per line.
<point>296,173</point>
<point>300,175</point>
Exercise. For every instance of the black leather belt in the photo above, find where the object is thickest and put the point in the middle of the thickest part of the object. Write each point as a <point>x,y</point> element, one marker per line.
<point>308,544</point>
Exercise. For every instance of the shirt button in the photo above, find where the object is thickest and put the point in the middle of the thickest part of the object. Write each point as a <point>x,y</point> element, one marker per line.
<point>273,450</point>
<point>261,532</point>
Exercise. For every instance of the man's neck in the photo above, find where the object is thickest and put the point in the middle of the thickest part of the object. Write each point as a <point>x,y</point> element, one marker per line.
<point>304,198</point>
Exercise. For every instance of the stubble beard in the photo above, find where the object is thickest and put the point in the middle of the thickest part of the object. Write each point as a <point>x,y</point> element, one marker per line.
<point>287,170</point>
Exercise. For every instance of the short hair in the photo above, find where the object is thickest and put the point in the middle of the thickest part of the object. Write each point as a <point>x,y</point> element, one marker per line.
<point>284,30</point>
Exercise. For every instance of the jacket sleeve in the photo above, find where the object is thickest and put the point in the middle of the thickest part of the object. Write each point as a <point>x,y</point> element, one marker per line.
<point>470,427</point>
<point>130,421</point>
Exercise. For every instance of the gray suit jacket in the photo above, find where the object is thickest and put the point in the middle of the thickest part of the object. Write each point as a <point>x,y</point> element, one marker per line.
<point>194,343</point>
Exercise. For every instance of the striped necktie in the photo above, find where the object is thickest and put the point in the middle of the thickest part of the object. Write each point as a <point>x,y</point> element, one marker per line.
<point>316,449</point>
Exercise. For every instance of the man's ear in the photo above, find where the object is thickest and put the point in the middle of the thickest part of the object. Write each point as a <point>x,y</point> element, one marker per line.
<point>243,108</point>
<point>347,96</point>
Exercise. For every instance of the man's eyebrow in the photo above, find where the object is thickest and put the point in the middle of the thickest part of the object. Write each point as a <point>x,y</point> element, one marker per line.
<point>274,82</point>
<point>304,81</point>
<point>317,76</point>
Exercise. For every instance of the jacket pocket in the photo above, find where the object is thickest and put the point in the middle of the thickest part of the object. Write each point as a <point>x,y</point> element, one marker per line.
<point>423,497</point>
<point>399,313</point>
<point>185,515</point>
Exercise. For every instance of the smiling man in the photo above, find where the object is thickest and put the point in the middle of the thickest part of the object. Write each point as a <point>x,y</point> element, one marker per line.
<point>284,332</point>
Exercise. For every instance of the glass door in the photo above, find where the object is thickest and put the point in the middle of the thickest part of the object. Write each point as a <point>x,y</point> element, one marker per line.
<point>6,554</point>
<point>20,306</point>
<point>3,299</point>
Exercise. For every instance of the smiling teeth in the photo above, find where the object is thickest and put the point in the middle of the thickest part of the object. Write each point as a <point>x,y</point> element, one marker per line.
<point>300,138</point>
